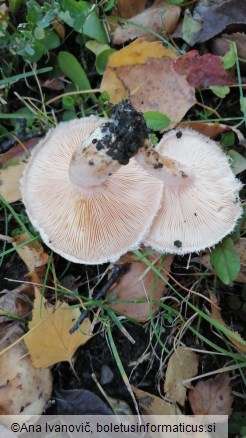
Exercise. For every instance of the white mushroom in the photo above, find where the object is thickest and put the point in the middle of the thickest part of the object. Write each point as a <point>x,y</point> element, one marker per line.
<point>200,202</point>
<point>85,203</point>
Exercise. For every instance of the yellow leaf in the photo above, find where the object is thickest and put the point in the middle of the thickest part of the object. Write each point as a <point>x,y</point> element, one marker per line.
<point>150,404</point>
<point>48,340</point>
<point>138,52</point>
<point>10,182</point>
<point>32,253</point>
<point>33,256</point>
<point>182,365</point>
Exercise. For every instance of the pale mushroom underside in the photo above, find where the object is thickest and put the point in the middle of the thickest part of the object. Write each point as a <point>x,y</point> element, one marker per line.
<point>200,215</point>
<point>92,225</point>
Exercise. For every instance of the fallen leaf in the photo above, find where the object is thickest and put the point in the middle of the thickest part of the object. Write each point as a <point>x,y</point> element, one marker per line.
<point>48,340</point>
<point>23,389</point>
<point>202,71</point>
<point>33,256</point>
<point>10,182</point>
<point>11,169</point>
<point>238,342</point>
<point>213,129</point>
<point>152,405</point>
<point>145,70</point>
<point>14,302</point>
<point>212,396</point>
<point>80,402</point>
<point>129,8</point>
<point>214,19</point>
<point>18,153</point>
<point>54,84</point>
<point>161,18</point>
<point>32,253</point>
<point>141,288</point>
<point>221,45</point>
<point>182,365</point>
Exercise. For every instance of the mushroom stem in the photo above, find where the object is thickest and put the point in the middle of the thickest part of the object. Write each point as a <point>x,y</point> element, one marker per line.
<point>108,147</point>
<point>169,171</point>
<point>90,164</point>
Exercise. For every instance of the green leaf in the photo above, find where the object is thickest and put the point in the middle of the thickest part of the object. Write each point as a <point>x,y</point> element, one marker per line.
<point>96,47</point>
<point>51,40</point>
<point>190,27</point>
<point>239,162</point>
<point>83,17</point>
<point>220,91</point>
<point>102,60</point>
<point>225,261</point>
<point>73,70</point>
<point>14,5</point>
<point>93,28</point>
<point>230,58</point>
<point>156,120</point>
<point>243,105</point>
<point>109,5</point>
<point>227,139</point>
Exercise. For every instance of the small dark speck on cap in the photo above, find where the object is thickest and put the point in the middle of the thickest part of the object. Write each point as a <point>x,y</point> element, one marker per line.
<point>177,243</point>
<point>179,134</point>
<point>94,141</point>
<point>91,163</point>
<point>195,214</point>
<point>50,241</point>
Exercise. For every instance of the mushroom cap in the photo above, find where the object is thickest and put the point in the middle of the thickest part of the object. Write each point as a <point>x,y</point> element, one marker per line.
<point>86,225</point>
<point>201,213</point>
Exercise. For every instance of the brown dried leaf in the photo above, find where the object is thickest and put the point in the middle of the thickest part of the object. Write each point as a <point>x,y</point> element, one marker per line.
<point>182,365</point>
<point>48,340</point>
<point>32,253</point>
<point>219,46</point>
<point>212,396</point>
<point>212,129</point>
<point>14,302</point>
<point>33,256</point>
<point>136,285</point>
<point>129,8</point>
<point>240,344</point>
<point>23,388</point>
<point>145,69</point>
<point>152,405</point>
<point>54,84</point>
<point>215,19</point>
<point>160,18</point>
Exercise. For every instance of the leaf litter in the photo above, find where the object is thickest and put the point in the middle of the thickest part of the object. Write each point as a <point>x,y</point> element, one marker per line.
<point>146,71</point>
<point>48,339</point>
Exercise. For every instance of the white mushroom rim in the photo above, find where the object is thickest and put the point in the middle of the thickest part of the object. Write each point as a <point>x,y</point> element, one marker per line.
<point>201,212</point>
<point>92,223</point>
